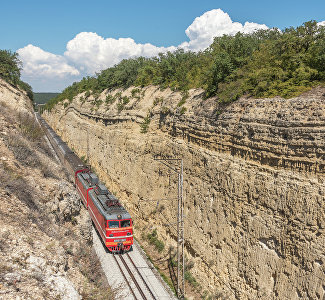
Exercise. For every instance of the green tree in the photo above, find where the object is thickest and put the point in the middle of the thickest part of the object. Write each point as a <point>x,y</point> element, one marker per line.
<point>10,66</point>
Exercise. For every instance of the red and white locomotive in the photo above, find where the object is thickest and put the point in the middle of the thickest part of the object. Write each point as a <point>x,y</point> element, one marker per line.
<point>113,222</point>
<point>111,219</point>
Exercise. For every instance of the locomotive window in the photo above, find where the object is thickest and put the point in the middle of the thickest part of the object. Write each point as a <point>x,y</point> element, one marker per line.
<point>113,224</point>
<point>125,223</point>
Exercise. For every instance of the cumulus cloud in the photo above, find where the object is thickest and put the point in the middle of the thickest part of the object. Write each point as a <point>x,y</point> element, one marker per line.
<point>46,71</point>
<point>88,52</point>
<point>38,62</point>
<point>91,52</point>
<point>321,23</point>
<point>212,24</point>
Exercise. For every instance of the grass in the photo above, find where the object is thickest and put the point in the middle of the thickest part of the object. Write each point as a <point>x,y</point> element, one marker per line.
<point>21,150</point>
<point>29,127</point>
<point>92,270</point>
<point>163,276</point>
<point>183,110</point>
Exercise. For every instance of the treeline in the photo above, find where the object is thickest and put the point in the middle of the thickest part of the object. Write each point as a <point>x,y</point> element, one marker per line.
<point>42,98</point>
<point>10,67</point>
<point>265,63</point>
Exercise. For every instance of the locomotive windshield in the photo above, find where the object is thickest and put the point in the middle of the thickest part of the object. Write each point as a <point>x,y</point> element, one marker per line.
<point>116,224</point>
<point>125,223</point>
<point>113,224</point>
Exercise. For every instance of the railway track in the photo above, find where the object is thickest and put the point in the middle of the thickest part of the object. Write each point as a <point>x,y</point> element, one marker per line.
<point>135,281</point>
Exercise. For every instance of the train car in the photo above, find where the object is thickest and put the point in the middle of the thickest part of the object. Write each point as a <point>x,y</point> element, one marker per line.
<point>111,219</point>
<point>85,181</point>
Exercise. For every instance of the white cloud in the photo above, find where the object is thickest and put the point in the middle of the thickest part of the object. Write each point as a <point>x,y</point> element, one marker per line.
<point>92,52</point>
<point>38,62</point>
<point>211,24</point>
<point>88,52</point>
<point>321,23</point>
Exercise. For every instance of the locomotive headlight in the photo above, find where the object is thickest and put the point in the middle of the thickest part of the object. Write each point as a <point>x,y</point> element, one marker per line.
<point>129,233</point>
<point>111,235</point>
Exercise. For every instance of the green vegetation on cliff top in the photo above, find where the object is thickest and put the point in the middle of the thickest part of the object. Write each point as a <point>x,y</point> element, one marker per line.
<point>265,63</point>
<point>10,67</point>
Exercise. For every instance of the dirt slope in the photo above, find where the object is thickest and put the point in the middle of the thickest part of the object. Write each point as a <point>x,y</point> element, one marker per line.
<point>45,238</point>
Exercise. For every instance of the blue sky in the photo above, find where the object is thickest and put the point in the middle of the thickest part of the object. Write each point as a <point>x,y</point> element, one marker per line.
<point>48,26</point>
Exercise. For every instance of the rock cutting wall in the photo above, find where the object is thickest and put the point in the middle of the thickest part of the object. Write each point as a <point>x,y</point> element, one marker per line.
<point>253,181</point>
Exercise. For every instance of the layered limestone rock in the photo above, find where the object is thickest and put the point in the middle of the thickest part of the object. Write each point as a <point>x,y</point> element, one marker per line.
<point>253,180</point>
<point>14,98</point>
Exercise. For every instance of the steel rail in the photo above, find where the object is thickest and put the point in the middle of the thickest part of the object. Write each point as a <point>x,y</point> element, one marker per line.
<point>132,276</point>
<point>147,286</point>
<point>135,297</point>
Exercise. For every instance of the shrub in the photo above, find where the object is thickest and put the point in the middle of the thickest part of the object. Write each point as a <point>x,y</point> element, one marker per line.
<point>191,279</point>
<point>109,99</point>
<point>125,100</point>
<point>183,100</point>
<point>98,103</point>
<point>145,124</point>
<point>84,159</point>
<point>87,94</point>
<point>135,93</point>
<point>120,106</point>
<point>153,240</point>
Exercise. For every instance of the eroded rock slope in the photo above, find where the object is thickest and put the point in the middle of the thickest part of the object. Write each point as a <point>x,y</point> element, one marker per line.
<point>45,234</point>
<point>253,181</point>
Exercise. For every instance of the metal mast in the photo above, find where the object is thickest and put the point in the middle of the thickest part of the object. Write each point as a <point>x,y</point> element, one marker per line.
<point>180,223</point>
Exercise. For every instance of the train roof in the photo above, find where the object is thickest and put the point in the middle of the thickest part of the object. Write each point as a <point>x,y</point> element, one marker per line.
<point>108,204</point>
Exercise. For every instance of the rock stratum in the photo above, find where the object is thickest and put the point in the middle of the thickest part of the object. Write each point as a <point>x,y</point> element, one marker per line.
<point>253,181</point>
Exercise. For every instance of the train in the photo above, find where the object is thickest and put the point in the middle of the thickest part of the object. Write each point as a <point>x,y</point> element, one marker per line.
<point>111,220</point>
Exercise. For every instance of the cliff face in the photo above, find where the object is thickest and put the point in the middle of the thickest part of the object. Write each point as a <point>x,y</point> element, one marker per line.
<point>253,181</point>
<point>14,98</point>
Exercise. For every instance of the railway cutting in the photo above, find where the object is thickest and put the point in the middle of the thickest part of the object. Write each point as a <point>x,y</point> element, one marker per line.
<point>123,261</point>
